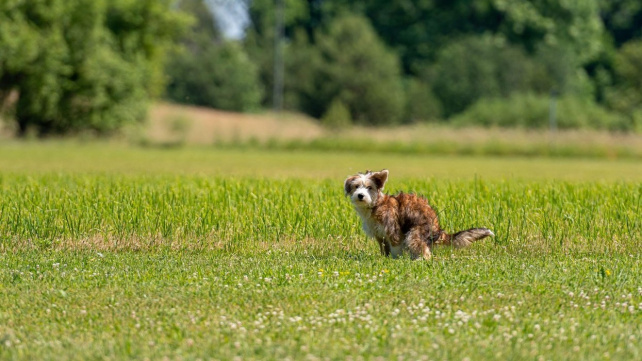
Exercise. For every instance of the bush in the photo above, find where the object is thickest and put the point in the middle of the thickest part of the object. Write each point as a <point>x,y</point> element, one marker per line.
<point>488,66</point>
<point>476,67</point>
<point>359,71</point>
<point>337,117</point>
<point>217,75</point>
<point>422,104</point>
<point>626,94</point>
<point>210,71</point>
<point>303,64</point>
<point>532,111</point>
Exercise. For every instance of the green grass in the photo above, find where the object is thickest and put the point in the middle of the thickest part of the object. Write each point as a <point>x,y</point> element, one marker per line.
<point>462,147</point>
<point>117,159</point>
<point>110,252</point>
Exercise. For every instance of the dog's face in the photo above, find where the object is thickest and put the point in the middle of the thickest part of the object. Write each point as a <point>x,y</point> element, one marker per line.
<point>364,188</point>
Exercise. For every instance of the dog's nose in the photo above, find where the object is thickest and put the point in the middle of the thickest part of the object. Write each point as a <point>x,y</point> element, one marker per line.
<point>360,196</point>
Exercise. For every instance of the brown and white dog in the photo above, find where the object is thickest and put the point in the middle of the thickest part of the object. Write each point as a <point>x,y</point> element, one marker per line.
<point>403,221</point>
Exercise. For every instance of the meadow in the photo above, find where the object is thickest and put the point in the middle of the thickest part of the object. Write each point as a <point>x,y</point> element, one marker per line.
<point>110,251</point>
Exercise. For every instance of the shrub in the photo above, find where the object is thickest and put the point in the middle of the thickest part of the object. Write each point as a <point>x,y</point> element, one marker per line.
<point>532,111</point>
<point>476,67</point>
<point>422,104</point>
<point>337,117</point>
<point>217,75</point>
<point>488,66</point>
<point>626,94</point>
<point>210,71</point>
<point>360,71</point>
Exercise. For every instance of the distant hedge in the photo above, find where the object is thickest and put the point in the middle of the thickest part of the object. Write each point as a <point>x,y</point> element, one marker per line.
<point>533,111</point>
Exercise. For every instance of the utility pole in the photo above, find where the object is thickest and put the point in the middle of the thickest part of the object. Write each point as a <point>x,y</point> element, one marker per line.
<point>277,91</point>
<point>552,112</point>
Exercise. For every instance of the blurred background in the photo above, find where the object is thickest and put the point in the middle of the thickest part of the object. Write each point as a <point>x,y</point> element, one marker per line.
<point>302,72</point>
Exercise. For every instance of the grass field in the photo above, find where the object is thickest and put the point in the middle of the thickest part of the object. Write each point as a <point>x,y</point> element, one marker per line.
<point>111,252</point>
<point>171,124</point>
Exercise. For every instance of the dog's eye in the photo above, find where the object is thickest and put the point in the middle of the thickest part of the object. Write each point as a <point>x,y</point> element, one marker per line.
<point>369,188</point>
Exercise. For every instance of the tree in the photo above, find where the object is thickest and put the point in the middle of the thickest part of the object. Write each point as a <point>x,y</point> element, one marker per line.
<point>219,76</point>
<point>481,66</point>
<point>418,30</point>
<point>210,71</point>
<point>622,19</point>
<point>360,71</point>
<point>337,117</point>
<point>260,36</point>
<point>84,64</point>
<point>625,96</point>
<point>421,104</point>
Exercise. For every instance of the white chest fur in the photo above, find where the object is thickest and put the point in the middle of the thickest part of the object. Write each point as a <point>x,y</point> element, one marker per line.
<point>376,230</point>
<point>370,225</point>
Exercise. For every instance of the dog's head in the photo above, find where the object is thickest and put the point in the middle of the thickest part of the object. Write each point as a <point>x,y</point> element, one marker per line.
<point>364,189</point>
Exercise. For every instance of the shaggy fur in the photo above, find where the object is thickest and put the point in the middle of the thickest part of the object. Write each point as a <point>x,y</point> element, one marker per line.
<point>403,221</point>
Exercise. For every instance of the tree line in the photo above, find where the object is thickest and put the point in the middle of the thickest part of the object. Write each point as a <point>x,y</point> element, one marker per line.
<point>94,64</point>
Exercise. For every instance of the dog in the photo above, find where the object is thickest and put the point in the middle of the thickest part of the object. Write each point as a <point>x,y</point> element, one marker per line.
<point>403,221</point>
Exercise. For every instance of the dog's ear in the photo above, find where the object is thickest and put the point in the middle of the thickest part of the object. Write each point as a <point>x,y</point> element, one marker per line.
<point>380,178</point>
<point>348,184</point>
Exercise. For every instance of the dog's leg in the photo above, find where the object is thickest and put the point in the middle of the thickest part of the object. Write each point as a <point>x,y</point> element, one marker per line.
<point>396,251</point>
<point>417,244</point>
<point>427,253</point>
<point>384,247</point>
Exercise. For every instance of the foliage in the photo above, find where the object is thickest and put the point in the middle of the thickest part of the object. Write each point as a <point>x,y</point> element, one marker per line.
<point>337,117</point>
<point>260,41</point>
<point>626,95</point>
<point>524,46</point>
<point>359,71</point>
<point>621,19</point>
<point>303,62</point>
<point>210,71</point>
<point>215,75</point>
<point>488,66</point>
<point>92,65</point>
<point>533,111</point>
<point>485,66</point>
<point>421,104</point>
<point>85,64</point>
<point>418,30</point>
<point>343,59</point>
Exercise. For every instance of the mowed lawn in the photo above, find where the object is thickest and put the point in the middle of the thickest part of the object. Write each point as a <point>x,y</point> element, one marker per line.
<point>116,252</point>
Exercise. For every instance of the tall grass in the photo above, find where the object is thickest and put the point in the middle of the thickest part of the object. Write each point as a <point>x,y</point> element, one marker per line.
<point>552,147</point>
<point>98,266</point>
<point>245,215</point>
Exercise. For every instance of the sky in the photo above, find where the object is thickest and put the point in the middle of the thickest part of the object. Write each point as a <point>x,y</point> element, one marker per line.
<point>231,16</point>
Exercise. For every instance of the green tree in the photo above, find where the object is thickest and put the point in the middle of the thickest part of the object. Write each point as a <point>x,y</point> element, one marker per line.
<point>622,19</point>
<point>625,96</point>
<point>481,66</point>
<point>360,71</point>
<point>348,63</point>
<point>210,71</point>
<point>418,30</point>
<point>337,117</point>
<point>83,64</point>
<point>218,75</point>
<point>422,104</point>
<point>260,36</point>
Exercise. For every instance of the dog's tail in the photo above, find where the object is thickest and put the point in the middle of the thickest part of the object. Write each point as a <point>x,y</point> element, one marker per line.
<point>464,238</point>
